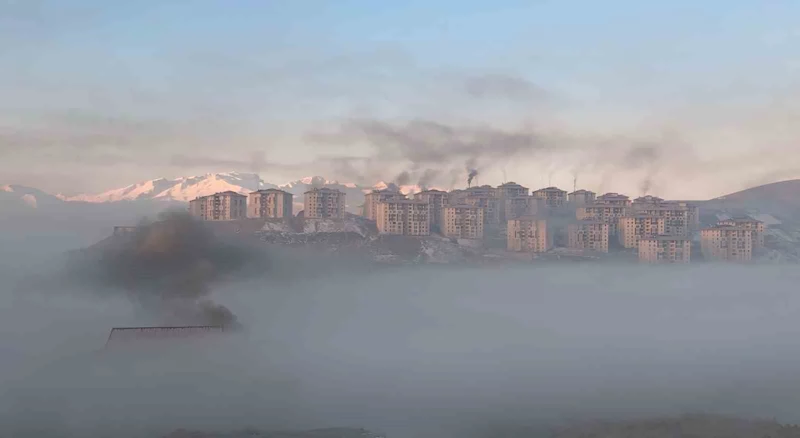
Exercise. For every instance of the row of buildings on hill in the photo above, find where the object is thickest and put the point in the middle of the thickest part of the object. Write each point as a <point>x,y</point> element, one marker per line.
<point>318,203</point>
<point>657,230</point>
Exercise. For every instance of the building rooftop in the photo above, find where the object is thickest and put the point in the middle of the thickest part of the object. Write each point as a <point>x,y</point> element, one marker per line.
<point>581,192</point>
<point>323,189</point>
<point>612,195</point>
<point>648,199</point>
<point>271,191</point>
<point>551,189</point>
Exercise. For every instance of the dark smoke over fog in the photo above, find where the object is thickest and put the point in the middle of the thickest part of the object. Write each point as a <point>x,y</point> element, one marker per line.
<point>169,267</point>
<point>416,352</point>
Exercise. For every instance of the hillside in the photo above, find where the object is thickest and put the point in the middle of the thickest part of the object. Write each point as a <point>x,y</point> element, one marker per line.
<point>787,192</point>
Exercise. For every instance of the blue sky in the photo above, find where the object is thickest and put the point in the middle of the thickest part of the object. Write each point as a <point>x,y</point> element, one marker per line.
<point>126,86</point>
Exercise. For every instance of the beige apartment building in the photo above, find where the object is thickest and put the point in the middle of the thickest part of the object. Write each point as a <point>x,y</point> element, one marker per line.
<point>590,235</point>
<point>527,234</point>
<point>581,197</point>
<point>727,243</point>
<point>324,203</point>
<point>519,206</point>
<point>490,205</point>
<point>270,204</point>
<point>436,200</point>
<point>751,224</point>
<point>665,249</point>
<point>375,197</point>
<point>682,218</point>
<point>462,221</point>
<point>635,227</point>
<point>614,199</point>
<point>511,190</point>
<point>223,206</point>
<point>676,215</point>
<point>404,216</point>
<point>553,196</point>
<point>609,213</point>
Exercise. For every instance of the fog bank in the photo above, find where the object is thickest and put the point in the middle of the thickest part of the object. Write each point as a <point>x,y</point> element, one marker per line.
<point>415,351</point>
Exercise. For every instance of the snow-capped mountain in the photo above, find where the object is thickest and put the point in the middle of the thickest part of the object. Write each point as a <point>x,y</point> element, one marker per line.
<point>185,189</point>
<point>179,189</point>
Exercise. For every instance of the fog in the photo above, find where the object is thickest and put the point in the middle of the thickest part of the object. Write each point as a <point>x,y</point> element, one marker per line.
<point>415,351</point>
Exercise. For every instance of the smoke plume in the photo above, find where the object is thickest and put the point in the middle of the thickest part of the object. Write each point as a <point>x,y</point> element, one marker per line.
<point>403,178</point>
<point>471,174</point>
<point>168,266</point>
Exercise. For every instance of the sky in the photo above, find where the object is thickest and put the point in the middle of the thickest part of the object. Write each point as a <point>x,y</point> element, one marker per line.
<point>680,99</point>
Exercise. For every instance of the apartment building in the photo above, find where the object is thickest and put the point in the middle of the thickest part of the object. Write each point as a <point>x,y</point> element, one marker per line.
<point>484,190</point>
<point>678,221</point>
<point>436,200</point>
<point>665,249</point>
<point>527,234</point>
<point>633,228</point>
<point>324,203</point>
<point>682,218</point>
<point>404,216</point>
<point>553,196</point>
<point>581,197</point>
<point>609,213</point>
<point>462,221</point>
<point>270,204</point>
<point>727,243</point>
<point>375,197</point>
<point>612,198</point>
<point>490,205</point>
<point>518,206</point>
<point>456,196</point>
<point>751,224</point>
<point>511,190</point>
<point>590,235</point>
<point>222,206</point>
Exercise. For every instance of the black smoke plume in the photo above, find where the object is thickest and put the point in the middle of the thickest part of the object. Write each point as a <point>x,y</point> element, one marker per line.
<point>403,178</point>
<point>472,173</point>
<point>169,266</point>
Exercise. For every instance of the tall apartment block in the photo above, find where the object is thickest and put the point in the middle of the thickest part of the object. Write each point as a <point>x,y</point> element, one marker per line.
<point>518,206</point>
<point>609,213</point>
<point>588,235</point>
<point>324,203</point>
<point>682,218</point>
<point>678,221</point>
<point>665,249</point>
<point>751,224</point>
<point>223,206</point>
<point>553,196</point>
<point>462,221</point>
<point>490,205</point>
<point>404,216</point>
<point>581,197</point>
<point>436,200</point>
<point>511,190</point>
<point>727,243</point>
<point>270,204</point>
<point>635,227</point>
<point>614,199</point>
<point>527,234</point>
<point>375,197</point>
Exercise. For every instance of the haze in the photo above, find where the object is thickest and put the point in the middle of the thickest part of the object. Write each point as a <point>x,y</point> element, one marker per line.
<point>98,95</point>
<point>408,352</point>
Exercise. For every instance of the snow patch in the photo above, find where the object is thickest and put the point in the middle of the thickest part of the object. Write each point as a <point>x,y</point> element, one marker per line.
<point>277,227</point>
<point>333,226</point>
